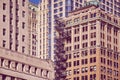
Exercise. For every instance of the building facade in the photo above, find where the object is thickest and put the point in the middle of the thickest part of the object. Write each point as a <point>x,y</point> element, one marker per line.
<point>91,44</point>
<point>33,29</point>
<point>60,9</point>
<point>14,20</point>
<point>18,66</point>
<point>18,32</point>
<point>43,29</point>
<point>110,6</point>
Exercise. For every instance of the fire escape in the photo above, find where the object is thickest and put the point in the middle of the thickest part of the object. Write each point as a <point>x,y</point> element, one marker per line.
<point>60,57</point>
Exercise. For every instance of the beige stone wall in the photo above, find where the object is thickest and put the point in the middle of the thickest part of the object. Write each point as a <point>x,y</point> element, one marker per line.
<point>42,27</point>
<point>15,35</point>
<point>22,66</point>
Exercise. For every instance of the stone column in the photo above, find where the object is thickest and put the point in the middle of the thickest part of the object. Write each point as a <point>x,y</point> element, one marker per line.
<point>0,77</point>
<point>8,78</point>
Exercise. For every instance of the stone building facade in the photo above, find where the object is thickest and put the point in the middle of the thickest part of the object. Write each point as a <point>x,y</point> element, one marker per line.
<point>18,66</point>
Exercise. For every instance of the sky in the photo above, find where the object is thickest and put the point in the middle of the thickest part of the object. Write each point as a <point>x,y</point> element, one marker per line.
<point>35,1</point>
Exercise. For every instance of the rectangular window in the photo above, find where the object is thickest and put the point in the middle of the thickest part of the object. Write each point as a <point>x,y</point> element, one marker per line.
<point>23,49</point>
<point>61,14</point>
<point>61,3</point>
<point>23,13</point>
<point>4,43</point>
<point>4,6</point>
<point>4,18</point>
<point>61,9</point>
<point>23,2</point>
<point>55,11</point>
<point>4,31</point>
<point>55,5</point>
<point>23,25</point>
<point>23,38</point>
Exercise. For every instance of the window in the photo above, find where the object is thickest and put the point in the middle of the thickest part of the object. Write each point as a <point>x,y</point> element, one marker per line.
<point>93,68</point>
<point>93,35</point>
<point>76,55</point>
<point>23,49</point>
<point>76,46</point>
<point>103,52</point>
<point>84,61</point>
<point>61,14</point>
<point>55,11</point>
<point>103,69</point>
<point>84,37</point>
<point>84,29</point>
<point>75,78</point>
<point>84,17</point>
<point>93,77</point>
<point>76,31</point>
<point>61,9</point>
<point>4,18</point>
<point>76,71</point>
<point>93,43</point>
<point>4,43</point>
<point>61,3</point>
<point>23,38</point>
<point>55,5</point>
<point>4,31</point>
<point>84,69</point>
<point>76,39</point>
<point>93,60</point>
<point>4,6</point>
<point>23,25</point>
<point>84,45</point>
<point>93,15</point>
<point>69,64</point>
<point>84,53</point>
<point>69,56</point>
<point>76,63</point>
<point>23,2</point>
<point>16,47</point>
<point>103,60</point>
<point>92,51</point>
<point>23,13</point>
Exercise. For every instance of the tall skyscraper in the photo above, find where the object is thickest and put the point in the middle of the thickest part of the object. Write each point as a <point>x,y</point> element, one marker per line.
<point>89,37</point>
<point>33,29</point>
<point>43,29</point>
<point>110,6</point>
<point>60,9</point>
<point>15,60</point>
